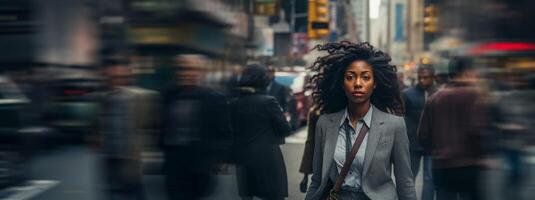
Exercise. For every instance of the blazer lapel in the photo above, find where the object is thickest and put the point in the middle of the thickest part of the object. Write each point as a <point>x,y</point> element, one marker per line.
<point>331,136</point>
<point>374,136</point>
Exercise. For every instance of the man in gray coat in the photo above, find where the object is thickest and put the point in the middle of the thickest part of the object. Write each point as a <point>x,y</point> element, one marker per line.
<point>126,121</point>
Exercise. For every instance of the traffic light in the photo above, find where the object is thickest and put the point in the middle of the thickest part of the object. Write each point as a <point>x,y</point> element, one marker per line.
<point>318,18</point>
<point>430,19</point>
<point>266,7</point>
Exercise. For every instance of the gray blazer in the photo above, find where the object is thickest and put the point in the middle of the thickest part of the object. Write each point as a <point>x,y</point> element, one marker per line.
<point>388,145</point>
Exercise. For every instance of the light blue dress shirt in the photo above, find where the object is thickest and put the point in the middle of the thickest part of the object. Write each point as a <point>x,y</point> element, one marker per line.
<point>352,181</point>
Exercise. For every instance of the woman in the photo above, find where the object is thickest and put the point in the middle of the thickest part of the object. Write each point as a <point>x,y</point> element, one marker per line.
<point>308,154</point>
<point>259,126</point>
<point>356,87</point>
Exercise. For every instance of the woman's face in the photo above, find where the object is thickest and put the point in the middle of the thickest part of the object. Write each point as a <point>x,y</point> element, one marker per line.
<point>359,82</point>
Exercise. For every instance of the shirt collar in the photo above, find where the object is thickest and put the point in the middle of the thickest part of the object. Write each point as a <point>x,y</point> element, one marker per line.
<point>367,117</point>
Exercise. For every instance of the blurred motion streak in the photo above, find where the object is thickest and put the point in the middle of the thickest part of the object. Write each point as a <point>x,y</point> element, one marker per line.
<point>144,99</point>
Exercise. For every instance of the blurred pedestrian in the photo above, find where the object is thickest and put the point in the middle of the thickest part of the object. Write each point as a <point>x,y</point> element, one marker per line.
<point>450,131</point>
<point>235,77</point>
<point>125,120</point>
<point>308,154</point>
<point>361,136</point>
<point>414,99</point>
<point>514,121</point>
<point>259,126</point>
<point>284,96</point>
<point>281,92</point>
<point>194,124</point>
<point>232,84</point>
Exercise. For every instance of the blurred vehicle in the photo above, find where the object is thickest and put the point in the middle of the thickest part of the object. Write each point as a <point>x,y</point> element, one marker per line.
<point>301,100</point>
<point>499,62</point>
<point>12,141</point>
<point>73,108</point>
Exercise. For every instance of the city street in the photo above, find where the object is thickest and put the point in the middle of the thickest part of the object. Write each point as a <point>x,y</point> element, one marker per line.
<point>72,172</point>
<point>95,96</point>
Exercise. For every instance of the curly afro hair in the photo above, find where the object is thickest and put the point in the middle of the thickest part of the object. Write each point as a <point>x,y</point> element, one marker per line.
<point>330,70</point>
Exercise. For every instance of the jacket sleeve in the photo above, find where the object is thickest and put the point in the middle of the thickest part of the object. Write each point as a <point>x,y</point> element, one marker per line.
<point>317,162</point>
<point>148,121</point>
<point>163,115</point>
<point>308,154</point>
<point>425,128</point>
<point>405,98</point>
<point>287,98</point>
<point>409,121</point>
<point>402,164</point>
<point>220,134</point>
<point>278,121</point>
<point>406,102</point>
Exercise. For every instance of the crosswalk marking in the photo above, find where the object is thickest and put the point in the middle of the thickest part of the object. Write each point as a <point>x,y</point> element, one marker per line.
<point>34,188</point>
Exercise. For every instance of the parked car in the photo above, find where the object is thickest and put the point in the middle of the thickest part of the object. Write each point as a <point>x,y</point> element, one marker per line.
<point>301,100</point>
<point>72,108</point>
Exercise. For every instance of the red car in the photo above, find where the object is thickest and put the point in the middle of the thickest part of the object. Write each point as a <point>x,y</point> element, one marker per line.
<point>302,96</point>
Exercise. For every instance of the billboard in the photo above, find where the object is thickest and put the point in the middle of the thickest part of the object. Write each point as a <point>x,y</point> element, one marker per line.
<point>399,34</point>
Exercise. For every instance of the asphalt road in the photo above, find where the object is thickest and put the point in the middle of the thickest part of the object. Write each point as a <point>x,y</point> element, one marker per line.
<point>73,172</point>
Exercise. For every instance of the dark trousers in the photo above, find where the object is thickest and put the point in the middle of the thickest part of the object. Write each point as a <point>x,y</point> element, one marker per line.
<point>459,183</point>
<point>428,190</point>
<point>122,179</point>
<point>349,195</point>
<point>187,173</point>
<point>516,175</point>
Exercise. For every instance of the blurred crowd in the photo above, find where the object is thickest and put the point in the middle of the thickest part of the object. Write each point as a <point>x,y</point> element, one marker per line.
<point>195,129</point>
<point>477,120</point>
<point>189,91</point>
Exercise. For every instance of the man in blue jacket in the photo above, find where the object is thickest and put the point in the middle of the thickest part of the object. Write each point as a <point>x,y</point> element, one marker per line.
<point>414,98</point>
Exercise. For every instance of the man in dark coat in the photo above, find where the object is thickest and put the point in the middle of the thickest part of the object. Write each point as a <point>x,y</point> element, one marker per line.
<point>232,83</point>
<point>451,130</point>
<point>284,97</point>
<point>281,92</point>
<point>196,129</point>
<point>414,99</point>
